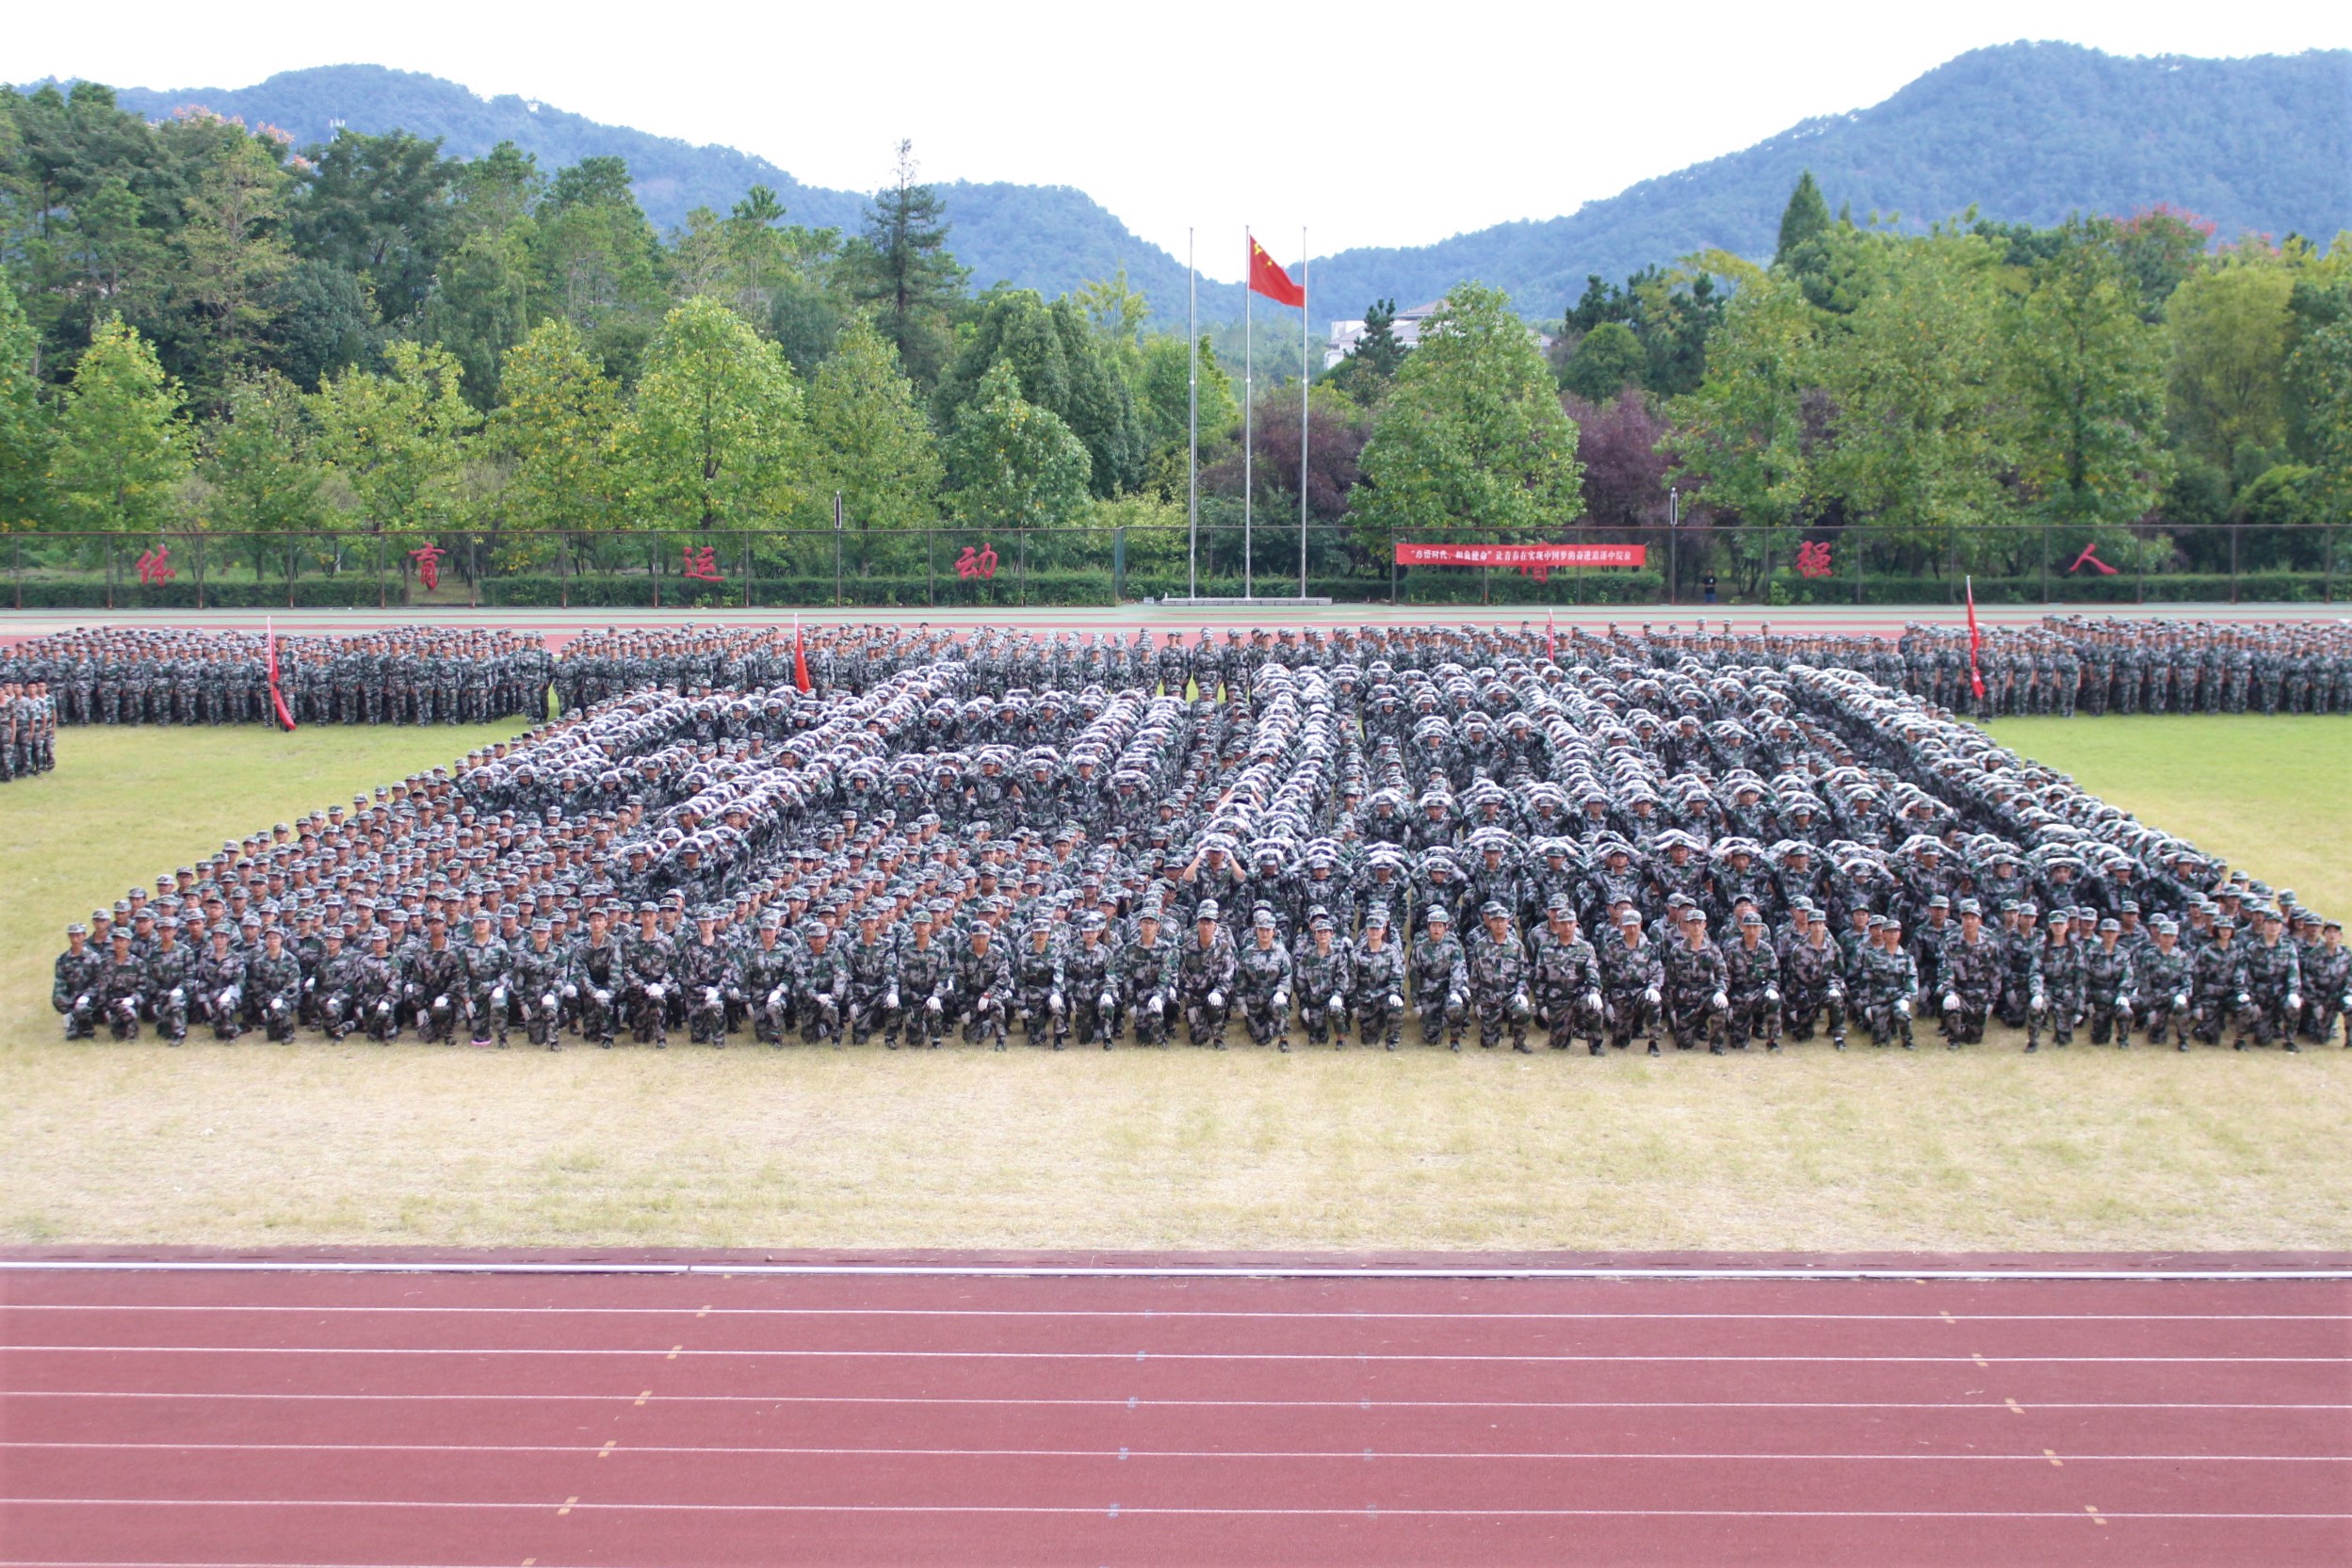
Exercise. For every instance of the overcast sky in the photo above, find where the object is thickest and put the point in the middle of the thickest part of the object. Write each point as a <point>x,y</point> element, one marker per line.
<point>1372,124</point>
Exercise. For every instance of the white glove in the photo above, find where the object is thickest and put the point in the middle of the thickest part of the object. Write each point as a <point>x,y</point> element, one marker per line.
<point>1158,1005</point>
<point>1650,996</point>
<point>2040,1006</point>
<point>1836,991</point>
<point>1771,993</point>
<point>654,993</point>
<point>931,1006</point>
<point>1454,1001</point>
<point>2294,1001</point>
<point>2244,999</point>
<point>1104,1003</point>
<point>1719,1002</point>
<point>1903,1007</point>
<point>2181,1002</point>
<point>1592,1001</point>
<point>1395,1002</point>
<point>178,995</point>
<point>1216,1000</point>
<point>547,1001</point>
<point>1282,1001</point>
<point>604,998</point>
<point>1338,1003</point>
<point>892,999</point>
<point>1053,1003</point>
<point>571,993</point>
<point>383,1008</point>
<point>83,1000</point>
<point>498,997</point>
<point>710,997</point>
<point>1951,1002</point>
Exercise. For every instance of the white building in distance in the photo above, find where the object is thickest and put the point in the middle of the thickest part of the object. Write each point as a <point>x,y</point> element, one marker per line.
<point>1406,328</point>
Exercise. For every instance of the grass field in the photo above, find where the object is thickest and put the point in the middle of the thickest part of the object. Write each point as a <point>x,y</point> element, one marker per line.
<point>256,1144</point>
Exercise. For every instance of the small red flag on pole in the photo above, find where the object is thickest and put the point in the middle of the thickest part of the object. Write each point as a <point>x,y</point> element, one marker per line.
<point>1976,641</point>
<point>1551,639</point>
<point>277,698</point>
<point>800,657</point>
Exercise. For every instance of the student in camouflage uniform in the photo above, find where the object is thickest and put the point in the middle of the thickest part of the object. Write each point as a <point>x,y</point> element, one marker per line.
<point>1696,1001</point>
<point>1262,978</point>
<point>73,989</point>
<point>2326,983</point>
<point>2218,991</point>
<point>487,961</point>
<point>1377,968</point>
<point>2164,983</point>
<point>1752,973</point>
<point>1495,965</point>
<point>2274,984</point>
<point>983,986</point>
<point>1564,975</point>
<point>924,985</point>
<point>2060,968</point>
<point>1326,977</point>
<point>274,986</point>
<point>1206,976</point>
<point>1149,980</point>
<point>820,983</point>
<point>705,975</point>
<point>2107,985</point>
<point>538,979</point>
<point>1886,983</point>
<point>1974,966</point>
<point>1440,973</point>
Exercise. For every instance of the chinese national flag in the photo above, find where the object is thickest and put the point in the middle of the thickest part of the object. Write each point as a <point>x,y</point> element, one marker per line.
<point>1976,641</point>
<point>800,658</point>
<point>1266,278</point>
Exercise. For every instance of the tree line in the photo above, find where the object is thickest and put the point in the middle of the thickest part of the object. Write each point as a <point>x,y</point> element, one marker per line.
<point>205,328</point>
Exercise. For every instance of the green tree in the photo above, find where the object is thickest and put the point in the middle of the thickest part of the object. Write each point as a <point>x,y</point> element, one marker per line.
<point>902,271</point>
<point>25,427</point>
<point>399,438</point>
<point>232,255</point>
<point>1013,465</point>
<point>1741,432</point>
<point>1163,406</point>
<point>1372,364</point>
<point>1806,215</point>
<point>122,446</point>
<point>716,439</point>
<point>2323,367</point>
<point>1610,359</point>
<point>554,427</point>
<point>1062,367</point>
<point>1473,433</point>
<point>599,260</point>
<point>869,442</point>
<point>260,481</point>
<point>2230,330</point>
<point>379,207</point>
<point>2087,378</point>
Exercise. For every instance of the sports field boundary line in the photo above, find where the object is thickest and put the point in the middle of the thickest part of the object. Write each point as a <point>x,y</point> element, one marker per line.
<point>1146,1271</point>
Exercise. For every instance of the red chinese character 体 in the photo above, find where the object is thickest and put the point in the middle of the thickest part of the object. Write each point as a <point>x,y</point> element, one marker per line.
<point>980,565</point>
<point>1812,561</point>
<point>702,563</point>
<point>428,560</point>
<point>154,566</point>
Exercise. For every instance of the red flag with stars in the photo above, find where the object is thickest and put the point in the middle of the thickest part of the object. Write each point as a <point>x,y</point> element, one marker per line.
<point>1266,278</point>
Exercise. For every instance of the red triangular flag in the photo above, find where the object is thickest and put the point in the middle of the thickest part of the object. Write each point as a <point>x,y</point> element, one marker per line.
<point>1551,639</point>
<point>277,698</point>
<point>1977,640</point>
<point>1266,278</point>
<point>800,657</point>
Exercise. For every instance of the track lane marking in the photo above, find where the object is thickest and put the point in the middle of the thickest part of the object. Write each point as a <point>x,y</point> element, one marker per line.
<point>2047,1454</point>
<point>1474,1356</point>
<point>1108,1401</point>
<point>1146,1271</point>
<point>455,1505</point>
<point>1241,1314</point>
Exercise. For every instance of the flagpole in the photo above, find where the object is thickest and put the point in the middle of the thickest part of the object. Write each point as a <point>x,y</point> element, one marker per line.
<point>1193,415</point>
<point>1306,375</point>
<point>1248,387</point>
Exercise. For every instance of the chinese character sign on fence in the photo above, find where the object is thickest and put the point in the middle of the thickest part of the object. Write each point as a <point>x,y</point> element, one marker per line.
<point>1812,561</point>
<point>154,566</point>
<point>983,564</point>
<point>428,560</point>
<point>702,563</point>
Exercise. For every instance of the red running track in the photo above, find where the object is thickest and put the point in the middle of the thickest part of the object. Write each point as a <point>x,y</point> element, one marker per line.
<point>460,1418</point>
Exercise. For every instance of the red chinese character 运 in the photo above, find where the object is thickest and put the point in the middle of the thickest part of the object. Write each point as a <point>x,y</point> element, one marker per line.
<point>1812,560</point>
<point>980,565</point>
<point>154,566</point>
<point>702,563</point>
<point>428,560</point>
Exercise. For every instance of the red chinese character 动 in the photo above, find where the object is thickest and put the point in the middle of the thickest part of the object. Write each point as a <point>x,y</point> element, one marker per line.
<point>154,566</point>
<point>702,563</point>
<point>428,560</point>
<point>1812,561</point>
<point>980,565</point>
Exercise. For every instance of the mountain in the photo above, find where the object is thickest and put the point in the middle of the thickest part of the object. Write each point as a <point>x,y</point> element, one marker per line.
<point>2026,131</point>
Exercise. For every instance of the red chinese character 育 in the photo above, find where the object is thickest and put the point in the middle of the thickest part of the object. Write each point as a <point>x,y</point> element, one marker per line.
<point>702,563</point>
<point>980,565</point>
<point>1812,560</point>
<point>428,560</point>
<point>154,566</point>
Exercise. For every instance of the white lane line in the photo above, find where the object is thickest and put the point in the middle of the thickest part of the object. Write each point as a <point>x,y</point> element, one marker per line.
<point>1130,1403</point>
<point>675,1352</point>
<point>1357,1455</point>
<point>459,1505</point>
<point>1149,1271</point>
<point>1458,1316</point>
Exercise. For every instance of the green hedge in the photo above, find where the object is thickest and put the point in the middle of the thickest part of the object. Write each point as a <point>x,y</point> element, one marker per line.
<point>2124,588</point>
<point>309,593</point>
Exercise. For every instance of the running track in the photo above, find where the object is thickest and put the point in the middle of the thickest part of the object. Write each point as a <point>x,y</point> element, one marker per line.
<point>700,1417</point>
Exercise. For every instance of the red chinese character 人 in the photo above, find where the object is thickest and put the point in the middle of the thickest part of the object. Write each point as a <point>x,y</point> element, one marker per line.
<point>1812,560</point>
<point>984,564</point>
<point>154,566</point>
<point>702,563</point>
<point>428,560</point>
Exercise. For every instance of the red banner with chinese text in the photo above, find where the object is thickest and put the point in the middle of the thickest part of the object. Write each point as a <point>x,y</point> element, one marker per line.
<point>1521,556</point>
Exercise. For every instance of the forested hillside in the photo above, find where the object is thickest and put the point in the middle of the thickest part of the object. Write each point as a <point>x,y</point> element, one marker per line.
<point>2027,132</point>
